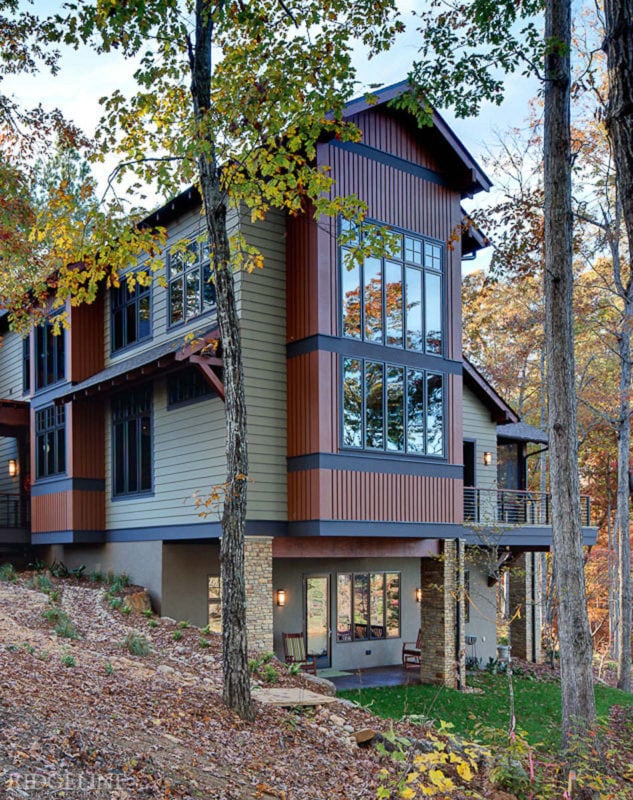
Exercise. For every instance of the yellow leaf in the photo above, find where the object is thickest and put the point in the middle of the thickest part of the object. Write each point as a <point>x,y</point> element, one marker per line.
<point>465,771</point>
<point>407,793</point>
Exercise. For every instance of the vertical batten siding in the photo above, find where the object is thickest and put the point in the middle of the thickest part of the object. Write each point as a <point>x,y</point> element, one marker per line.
<point>9,449</point>
<point>188,460</point>
<point>396,134</point>
<point>479,426</point>
<point>379,497</point>
<point>261,304</point>
<point>312,404</point>
<point>84,342</point>
<point>301,255</point>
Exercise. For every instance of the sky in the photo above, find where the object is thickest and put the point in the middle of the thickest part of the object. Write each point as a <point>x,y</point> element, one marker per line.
<point>85,77</point>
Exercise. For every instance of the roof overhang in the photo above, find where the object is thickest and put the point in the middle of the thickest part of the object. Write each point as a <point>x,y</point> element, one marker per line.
<point>473,238</point>
<point>471,178</point>
<point>14,417</point>
<point>161,359</point>
<point>521,432</point>
<point>500,411</point>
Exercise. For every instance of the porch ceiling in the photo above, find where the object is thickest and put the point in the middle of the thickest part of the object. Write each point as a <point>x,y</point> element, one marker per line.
<point>14,416</point>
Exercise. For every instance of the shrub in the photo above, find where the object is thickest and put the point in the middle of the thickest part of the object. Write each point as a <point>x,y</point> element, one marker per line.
<point>183,624</point>
<point>153,623</point>
<point>66,629</point>
<point>204,642</point>
<point>7,572</point>
<point>270,674</point>
<point>147,612</point>
<point>68,660</point>
<point>136,644</point>
<point>109,669</point>
<point>96,577</point>
<point>176,636</point>
<point>116,602</point>
<point>126,609</point>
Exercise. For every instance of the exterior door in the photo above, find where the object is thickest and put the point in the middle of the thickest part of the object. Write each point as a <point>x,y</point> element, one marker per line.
<point>317,606</point>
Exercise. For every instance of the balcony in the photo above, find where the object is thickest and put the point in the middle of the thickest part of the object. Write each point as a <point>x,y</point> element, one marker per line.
<point>15,519</point>
<point>511,507</point>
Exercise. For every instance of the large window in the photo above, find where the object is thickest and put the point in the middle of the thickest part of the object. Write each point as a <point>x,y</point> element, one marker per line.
<point>367,606</point>
<point>131,315</point>
<point>50,441</point>
<point>191,291</point>
<point>49,355</point>
<point>392,408</point>
<point>132,442</point>
<point>395,300</point>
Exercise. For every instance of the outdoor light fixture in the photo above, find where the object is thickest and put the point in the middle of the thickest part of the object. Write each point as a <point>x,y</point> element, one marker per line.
<point>13,467</point>
<point>418,595</point>
<point>281,597</point>
<point>487,458</point>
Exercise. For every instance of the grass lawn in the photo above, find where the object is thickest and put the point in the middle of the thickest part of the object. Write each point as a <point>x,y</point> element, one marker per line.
<point>537,705</point>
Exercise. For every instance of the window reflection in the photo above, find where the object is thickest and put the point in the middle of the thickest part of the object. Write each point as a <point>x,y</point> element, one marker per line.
<point>367,606</point>
<point>374,404</point>
<point>352,403</point>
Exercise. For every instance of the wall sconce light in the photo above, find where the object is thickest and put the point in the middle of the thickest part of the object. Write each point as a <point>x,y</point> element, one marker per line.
<point>13,467</point>
<point>281,597</point>
<point>487,458</point>
<point>418,595</point>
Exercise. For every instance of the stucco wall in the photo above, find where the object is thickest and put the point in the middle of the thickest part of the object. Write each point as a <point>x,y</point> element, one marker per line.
<point>288,574</point>
<point>482,622</point>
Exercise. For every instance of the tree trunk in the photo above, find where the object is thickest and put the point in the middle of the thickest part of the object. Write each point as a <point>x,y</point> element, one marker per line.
<point>622,506</point>
<point>578,705</point>
<point>618,45</point>
<point>236,691</point>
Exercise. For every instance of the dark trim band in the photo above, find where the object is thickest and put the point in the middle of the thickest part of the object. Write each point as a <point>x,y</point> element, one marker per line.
<point>368,529</point>
<point>378,352</point>
<point>389,160</point>
<point>68,537</point>
<point>522,535</point>
<point>67,485</point>
<point>370,462</point>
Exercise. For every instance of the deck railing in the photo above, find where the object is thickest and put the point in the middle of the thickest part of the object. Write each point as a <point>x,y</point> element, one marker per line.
<point>15,511</point>
<point>513,507</point>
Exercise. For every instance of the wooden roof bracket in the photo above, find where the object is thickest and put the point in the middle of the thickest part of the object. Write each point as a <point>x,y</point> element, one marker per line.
<point>205,364</point>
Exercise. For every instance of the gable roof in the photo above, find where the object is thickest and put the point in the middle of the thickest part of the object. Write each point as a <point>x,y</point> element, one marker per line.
<point>500,411</point>
<point>440,131</point>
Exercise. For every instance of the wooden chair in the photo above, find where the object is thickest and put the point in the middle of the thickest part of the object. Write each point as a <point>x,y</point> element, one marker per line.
<point>295,652</point>
<point>412,651</point>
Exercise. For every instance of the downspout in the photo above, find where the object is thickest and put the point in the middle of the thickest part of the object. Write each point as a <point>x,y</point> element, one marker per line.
<point>534,555</point>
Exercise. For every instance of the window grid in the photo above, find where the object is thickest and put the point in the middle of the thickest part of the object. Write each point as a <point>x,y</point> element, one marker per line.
<point>392,408</point>
<point>50,441</point>
<point>187,386</point>
<point>130,315</point>
<point>50,355</point>
<point>397,299</point>
<point>367,606</point>
<point>132,443</point>
<point>190,289</point>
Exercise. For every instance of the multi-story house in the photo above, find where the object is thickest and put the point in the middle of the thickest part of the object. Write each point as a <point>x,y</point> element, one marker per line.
<point>365,425</point>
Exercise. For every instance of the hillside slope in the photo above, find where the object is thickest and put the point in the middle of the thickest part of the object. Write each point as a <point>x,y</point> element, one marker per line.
<point>84,717</point>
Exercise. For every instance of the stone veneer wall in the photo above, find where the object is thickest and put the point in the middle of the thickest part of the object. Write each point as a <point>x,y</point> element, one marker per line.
<point>525,608</point>
<point>440,581</point>
<point>258,574</point>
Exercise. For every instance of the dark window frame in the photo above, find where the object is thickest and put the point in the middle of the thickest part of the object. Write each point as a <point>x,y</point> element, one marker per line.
<point>187,386</point>
<point>384,450</point>
<point>423,268</point>
<point>353,635</point>
<point>129,413</point>
<point>194,263</point>
<point>50,431</point>
<point>26,364</point>
<point>50,354</point>
<point>121,299</point>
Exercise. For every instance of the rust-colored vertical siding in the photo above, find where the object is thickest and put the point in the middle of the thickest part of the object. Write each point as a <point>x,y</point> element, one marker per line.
<point>301,282</point>
<point>85,436</point>
<point>51,512</point>
<point>372,496</point>
<point>85,340</point>
<point>68,511</point>
<point>393,133</point>
<point>311,389</point>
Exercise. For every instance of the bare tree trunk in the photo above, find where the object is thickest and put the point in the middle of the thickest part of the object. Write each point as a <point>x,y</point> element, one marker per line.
<point>612,546</point>
<point>578,705</point>
<point>622,506</point>
<point>618,45</point>
<point>236,692</point>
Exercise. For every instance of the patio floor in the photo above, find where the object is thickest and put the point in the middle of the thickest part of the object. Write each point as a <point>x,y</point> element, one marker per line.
<point>376,676</point>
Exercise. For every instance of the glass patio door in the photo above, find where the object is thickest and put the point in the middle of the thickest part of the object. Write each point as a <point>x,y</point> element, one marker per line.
<point>317,606</point>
